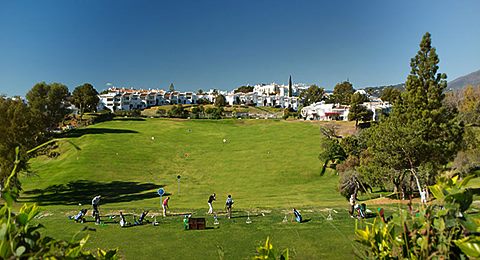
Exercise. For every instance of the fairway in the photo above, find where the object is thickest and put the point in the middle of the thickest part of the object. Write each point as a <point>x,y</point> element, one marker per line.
<point>268,166</point>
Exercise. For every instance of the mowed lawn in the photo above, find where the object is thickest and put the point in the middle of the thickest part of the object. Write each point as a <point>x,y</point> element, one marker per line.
<point>269,167</point>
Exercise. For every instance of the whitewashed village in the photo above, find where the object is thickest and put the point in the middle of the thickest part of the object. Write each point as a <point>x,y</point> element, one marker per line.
<point>262,95</point>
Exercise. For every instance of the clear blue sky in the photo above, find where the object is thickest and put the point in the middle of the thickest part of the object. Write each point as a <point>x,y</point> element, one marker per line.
<point>224,44</point>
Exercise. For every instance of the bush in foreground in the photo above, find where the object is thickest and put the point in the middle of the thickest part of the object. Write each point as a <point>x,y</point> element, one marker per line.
<point>442,229</point>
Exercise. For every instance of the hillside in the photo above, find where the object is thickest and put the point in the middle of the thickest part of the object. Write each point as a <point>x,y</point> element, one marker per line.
<point>377,91</point>
<point>256,156</point>
<point>461,82</point>
<point>269,167</point>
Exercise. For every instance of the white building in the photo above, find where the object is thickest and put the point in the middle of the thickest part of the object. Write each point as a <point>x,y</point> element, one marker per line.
<point>327,112</point>
<point>324,112</point>
<point>128,99</point>
<point>272,95</point>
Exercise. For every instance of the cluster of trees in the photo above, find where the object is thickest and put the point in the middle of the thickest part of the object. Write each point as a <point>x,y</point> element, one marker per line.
<point>312,95</point>
<point>390,94</point>
<point>406,151</point>
<point>467,102</point>
<point>410,147</point>
<point>25,125</point>
<point>179,111</point>
<point>342,94</point>
<point>243,89</point>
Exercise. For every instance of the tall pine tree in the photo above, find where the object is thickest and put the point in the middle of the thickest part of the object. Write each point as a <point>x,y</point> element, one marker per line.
<point>290,87</point>
<point>421,135</point>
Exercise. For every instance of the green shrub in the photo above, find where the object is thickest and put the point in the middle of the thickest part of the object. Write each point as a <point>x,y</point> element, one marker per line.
<point>442,229</point>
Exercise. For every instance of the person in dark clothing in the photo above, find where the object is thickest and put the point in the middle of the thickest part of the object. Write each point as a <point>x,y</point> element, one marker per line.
<point>141,218</point>
<point>210,201</point>
<point>228,205</point>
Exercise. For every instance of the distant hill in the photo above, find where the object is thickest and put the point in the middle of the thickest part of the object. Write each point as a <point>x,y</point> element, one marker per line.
<point>469,79</point>
<point>377,91</point>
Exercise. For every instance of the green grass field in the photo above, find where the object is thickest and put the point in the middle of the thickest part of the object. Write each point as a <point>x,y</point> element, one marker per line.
<point>268,166</point>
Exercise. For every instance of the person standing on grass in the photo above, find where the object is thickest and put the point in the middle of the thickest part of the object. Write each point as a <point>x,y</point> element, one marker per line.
<point>228,205</point>
<point>95,203</point>
<point>165,206</point>
<point>352,204</point>
<point>210,201</point>
<point>122,222</point>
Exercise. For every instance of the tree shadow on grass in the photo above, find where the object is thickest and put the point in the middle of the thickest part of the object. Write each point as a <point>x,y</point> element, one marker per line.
<point>83,191</point>
<point>95,131</point>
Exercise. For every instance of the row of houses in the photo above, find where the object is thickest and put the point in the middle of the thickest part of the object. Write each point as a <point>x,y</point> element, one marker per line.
<point>263,95</point>
<point>271,95</point>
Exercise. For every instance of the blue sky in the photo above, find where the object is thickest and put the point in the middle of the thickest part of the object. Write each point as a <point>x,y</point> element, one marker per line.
<point>225,44</point>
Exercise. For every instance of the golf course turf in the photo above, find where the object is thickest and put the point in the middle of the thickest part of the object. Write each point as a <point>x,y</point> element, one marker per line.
<point>268,166</point>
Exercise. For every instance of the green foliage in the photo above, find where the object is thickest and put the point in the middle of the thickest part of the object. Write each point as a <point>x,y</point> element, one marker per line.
<point>330,149</point>
<point>18,128</point>
<point>421,134</point>
<point>312,95</point>
<point>47,101</point>
<point>286,113</point>
<point>390,94</point>
<point>203,101</point>
<point>358,98</point>
<point>171,88</point>
<point>85,97</point>
<point>342,93</point>
<point>216,113</point>
<point>358,111</point>
<point>197,111</point>
<point>244,89</point>
<point>220,101</point>
<point>353,145</point>
<point>441,230</point>
<point>178,111</point>
<point>213,112</point>
<point>20,238</point>
<point>120,113</point>
<point>267,252</point>
<point>469,106</point>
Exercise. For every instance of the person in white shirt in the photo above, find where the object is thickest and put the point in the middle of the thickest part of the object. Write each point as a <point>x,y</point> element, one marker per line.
<point>95,203</point>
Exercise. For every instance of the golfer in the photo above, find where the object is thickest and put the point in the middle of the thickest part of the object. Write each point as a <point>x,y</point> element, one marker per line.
<point>95,203</point>
<point>210,201</point>
<point>165,206</point>
<point>228,205</point>
<point>352,203</point>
